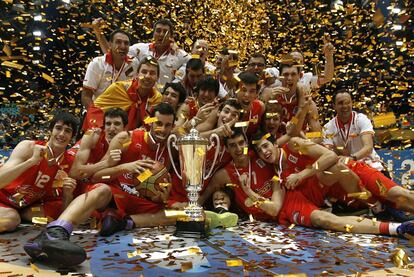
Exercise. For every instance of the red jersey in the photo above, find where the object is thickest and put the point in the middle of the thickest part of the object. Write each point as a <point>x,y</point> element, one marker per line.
<point>260,175</point>
<point>36,183</point>
<point>254,117</point>
<point>139,149</point>
<point>295,162</point>
<point>97,152</point>
<point>290,107</point>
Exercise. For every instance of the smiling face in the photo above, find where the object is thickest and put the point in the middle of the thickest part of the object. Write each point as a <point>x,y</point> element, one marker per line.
<point>60,136</point>
<point>161,129</point>
<point>147,76</point>
<point>227,114</point>
<point>171,97</point>
<point>235,146</point>
<point>343,105</point>
<point>120,45</point>
<point>200,48</point>
<point>267,151</point>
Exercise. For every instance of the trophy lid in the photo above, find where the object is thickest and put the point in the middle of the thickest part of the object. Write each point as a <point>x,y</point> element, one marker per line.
<point>193,137</point>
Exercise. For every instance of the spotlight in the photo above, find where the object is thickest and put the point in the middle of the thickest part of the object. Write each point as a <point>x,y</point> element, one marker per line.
<point>36,48</point>
<point>396,10</point>
<point>397,27</point>
<point>399,43</point>
<point>38,17</point>
<point>37,33</point>
<point>66,1</point>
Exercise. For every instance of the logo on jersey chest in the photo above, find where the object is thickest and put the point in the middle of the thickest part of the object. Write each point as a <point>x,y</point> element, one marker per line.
<point>292,158</point>
<point>260,163</point>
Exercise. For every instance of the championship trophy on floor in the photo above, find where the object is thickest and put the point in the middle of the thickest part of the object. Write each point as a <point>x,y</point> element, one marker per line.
<point>192,151</point>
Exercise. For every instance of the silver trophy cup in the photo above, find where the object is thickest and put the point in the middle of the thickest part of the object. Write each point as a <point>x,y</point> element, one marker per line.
<point>192,151</point>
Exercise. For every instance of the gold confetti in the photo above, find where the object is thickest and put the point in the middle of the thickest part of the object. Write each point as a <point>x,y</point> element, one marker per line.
<point>348,228</point>
<point>12,65</point>
<point>291,226</point>
<point>47,77</point>
<point>34,267</point>
<point>364,195</point>
<point>245,150</point>
<point>382,189</point>
<point>185,266</point>
<point>232,185</point>
<point>241,124</point>
<point>144,175</point>
<point>311,135</point>
<point>150,120</point>
<point>384,120</point>
<point>231,263</point>
<point>194,250</point>
<point>36,209</point>
<point>39,220</point>
<point>107,177</point>
<point>294,120</point>
<point>400,258</point>
<point>134,254</point>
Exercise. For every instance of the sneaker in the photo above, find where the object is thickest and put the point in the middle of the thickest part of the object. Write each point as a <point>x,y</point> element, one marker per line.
<point>224,220</point>
<point>406,228</point>
<point>341,209</point>
<point>391,214</point>
<point>112,222</point>
<point>52,246</point>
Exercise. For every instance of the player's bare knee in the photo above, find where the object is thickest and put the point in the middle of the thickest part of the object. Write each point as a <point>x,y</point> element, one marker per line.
<point>103,194</point>
<point>10,220</point>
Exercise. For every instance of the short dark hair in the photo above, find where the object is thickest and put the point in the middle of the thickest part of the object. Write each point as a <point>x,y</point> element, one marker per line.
<point>287,65</point>
<point>177,86</point>
<point>67,119</point>
<point>149,60</point>
<point>257,55</point>
<point>233,103</point>
<point>249,78</point>
<point>117,112</point>
<point>164,108</point>
<point>118,31</point>
<point>258,136</point>
<point>340,91</point>
<point>208,83</point>
<point>165,21</point>
<point>237,132</point>
<point>194,64</point>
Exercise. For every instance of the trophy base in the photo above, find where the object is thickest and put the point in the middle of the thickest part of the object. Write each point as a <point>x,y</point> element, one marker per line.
<point>190,229</point>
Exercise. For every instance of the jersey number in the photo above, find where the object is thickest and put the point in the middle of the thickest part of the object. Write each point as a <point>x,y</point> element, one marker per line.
<point>41,180</point>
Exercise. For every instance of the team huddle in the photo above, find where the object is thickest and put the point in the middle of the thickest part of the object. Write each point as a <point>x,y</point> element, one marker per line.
<point>275,161</point>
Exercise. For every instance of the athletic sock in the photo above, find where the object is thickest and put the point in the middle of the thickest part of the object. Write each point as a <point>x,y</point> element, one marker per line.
<point>66,225</point>
<point>389,228</point>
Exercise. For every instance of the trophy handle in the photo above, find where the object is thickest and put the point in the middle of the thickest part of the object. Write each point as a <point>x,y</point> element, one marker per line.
<point>171,142</point>
<point>212,137</point>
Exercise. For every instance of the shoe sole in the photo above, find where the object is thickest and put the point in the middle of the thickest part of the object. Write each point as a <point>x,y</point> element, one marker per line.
<point>57,252</point>
<point>224,220</point>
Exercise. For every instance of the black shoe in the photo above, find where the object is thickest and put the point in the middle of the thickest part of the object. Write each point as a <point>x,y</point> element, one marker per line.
<point>52,246</point>
<point>344,210</point>
<point>112,223</point>
<point>390,214</point>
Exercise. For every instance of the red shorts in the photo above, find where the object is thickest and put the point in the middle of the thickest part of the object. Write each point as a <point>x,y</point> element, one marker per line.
<point>373,180</point>
<point>51,208</point>
<point>299,203</point>
<point>129,204</point>
<point>82,188</point>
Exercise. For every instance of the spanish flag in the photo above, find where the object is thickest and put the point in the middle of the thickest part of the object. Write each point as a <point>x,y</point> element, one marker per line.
<point>124,95</point>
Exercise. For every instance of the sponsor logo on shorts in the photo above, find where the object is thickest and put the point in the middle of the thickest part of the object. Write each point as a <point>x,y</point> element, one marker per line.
<point>128,189</point>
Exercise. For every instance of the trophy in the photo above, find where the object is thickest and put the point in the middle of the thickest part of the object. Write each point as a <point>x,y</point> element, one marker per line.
<point>192,151</point>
